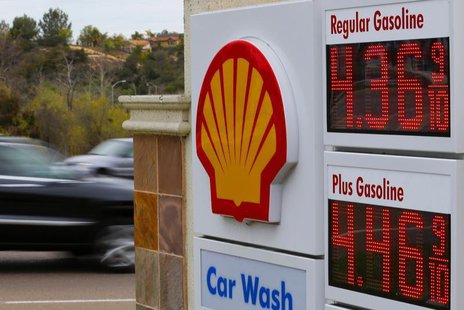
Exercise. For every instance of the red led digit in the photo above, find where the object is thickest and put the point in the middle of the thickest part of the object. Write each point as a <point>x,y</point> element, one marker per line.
<point>380,84</point>
<point>439,229</point>
<point>406,85</point>
<point>438,92</point>
<point>439,108</point>
<point>346,84</point>
<point>439,264</point>
<point>345,240</point>
<point>409,253</point>
<point>438,56</point>
<point>439,282</point>
<point>443,277</point>
<point>380,247</point>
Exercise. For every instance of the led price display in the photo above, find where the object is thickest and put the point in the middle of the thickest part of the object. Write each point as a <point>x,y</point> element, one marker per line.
<point>394,253</point>
<point>394,87</point>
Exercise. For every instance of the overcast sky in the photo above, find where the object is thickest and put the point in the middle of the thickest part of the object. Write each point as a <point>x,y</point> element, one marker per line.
<point>111,16</point>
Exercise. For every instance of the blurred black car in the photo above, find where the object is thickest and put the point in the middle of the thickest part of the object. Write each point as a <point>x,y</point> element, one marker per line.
<point>44,207</point>
<point>113,157</point>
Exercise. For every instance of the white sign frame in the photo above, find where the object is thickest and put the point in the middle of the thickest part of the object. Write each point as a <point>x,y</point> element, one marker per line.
<point>313,267</point>
<point>334,307</point>
<point>300,226</point>
<point>452,144</point>
<point>454,169</point>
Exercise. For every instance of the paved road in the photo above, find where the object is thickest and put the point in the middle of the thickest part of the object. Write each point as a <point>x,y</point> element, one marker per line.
<point>31,281</point>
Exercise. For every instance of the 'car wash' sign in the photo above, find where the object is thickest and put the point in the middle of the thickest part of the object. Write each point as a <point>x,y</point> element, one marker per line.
<point>231,282</point>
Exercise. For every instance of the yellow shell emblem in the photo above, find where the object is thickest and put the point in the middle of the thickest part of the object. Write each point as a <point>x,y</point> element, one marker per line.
<point>241,133</point>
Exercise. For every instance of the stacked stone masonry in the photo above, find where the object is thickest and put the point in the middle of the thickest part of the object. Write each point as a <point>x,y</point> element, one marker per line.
<point>158,219</point>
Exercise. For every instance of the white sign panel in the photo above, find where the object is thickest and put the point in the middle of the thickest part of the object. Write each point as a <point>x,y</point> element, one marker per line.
<point>231,282</point>
<point>257,135</point>
<point>392,231</point>
<point>392,71</point>
<point>230,277</point>
<point>334,307</point>
<point>413,20</point>
<point>390,188</point>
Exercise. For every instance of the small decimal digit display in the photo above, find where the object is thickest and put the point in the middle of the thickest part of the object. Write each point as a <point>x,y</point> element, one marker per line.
<point>393,253</point>
<point>394,87</point>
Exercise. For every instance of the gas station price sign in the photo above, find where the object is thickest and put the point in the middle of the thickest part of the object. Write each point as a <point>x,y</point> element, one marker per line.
<point>392,87</point>
<point>392,231</point>
<point>389,252</point>
<point>392,71</point>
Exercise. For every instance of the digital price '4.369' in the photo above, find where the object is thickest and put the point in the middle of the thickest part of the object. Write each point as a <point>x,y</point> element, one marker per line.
<point>389,252</point>
<point>394,87</point>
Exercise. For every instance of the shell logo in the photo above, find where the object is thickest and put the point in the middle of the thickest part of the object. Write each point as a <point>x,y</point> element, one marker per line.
<point>241,132</point>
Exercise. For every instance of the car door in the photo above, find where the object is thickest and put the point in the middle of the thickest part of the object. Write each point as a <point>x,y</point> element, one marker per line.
<point>36,210</point>
<point>127,162</point>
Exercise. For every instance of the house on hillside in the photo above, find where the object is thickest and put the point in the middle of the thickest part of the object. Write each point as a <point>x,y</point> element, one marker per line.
<point>144,44</point>
<point>165,41</point>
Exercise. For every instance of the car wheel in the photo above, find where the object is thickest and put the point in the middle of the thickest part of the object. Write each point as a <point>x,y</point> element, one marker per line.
<point>102,172</point>
<point>115,248</point>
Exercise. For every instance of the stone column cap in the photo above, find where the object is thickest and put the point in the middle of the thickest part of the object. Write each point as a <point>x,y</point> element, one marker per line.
<point>157,114</point>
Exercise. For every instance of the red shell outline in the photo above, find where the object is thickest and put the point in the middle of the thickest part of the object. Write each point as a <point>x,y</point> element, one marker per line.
<point>246,210</point>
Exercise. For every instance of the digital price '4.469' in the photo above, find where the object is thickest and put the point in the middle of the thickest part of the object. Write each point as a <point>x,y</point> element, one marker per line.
<point>389,252</point>
<point>394,87</point>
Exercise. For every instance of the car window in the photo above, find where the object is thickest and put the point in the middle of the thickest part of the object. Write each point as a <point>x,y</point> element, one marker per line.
<point>7,166</point>
<point>32,161</point>
<point>113,148</point>
<point>22,162</point>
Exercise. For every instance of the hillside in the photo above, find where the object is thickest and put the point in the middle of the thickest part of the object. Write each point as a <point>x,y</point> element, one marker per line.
<point>98,53</point>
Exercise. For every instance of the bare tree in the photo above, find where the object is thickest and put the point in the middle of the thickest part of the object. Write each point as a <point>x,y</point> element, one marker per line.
<point>106,72</point>
<point>103,71</point>
<point>70,81</point>
<point>73,71</point>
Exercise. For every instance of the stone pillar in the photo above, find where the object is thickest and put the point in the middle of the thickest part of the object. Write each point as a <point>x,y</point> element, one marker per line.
<point>160,125</point>
<point>162,175</point>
